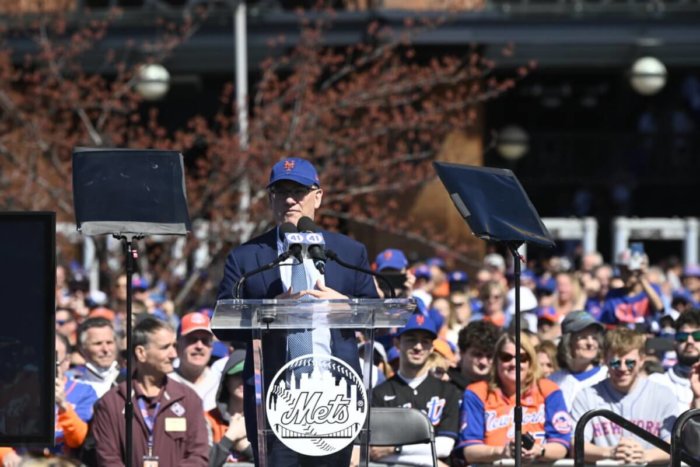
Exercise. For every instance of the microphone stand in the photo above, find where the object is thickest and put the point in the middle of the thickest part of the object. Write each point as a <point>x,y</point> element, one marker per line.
<point>518,410</point>
<point>263,268</point>
<point>131,255</point>
<point>332,255</point>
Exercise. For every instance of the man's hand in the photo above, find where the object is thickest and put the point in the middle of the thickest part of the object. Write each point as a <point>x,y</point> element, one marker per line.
<point>291,295</point>
<point>695,385</point>
<point>236,428</point>
<point>630,451</point>
<point>324,293</point>
<point>377,452</point>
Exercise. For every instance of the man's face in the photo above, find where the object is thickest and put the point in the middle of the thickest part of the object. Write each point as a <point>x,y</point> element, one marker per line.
<point>159,354</point>
<point>687,347</point>
<point>692,283</point>
<point>624,369</point>
<point>414,348</point>
<point>99,346</point>
<point>195,349</point>
<point>291,201</point>
<point>475,364</point>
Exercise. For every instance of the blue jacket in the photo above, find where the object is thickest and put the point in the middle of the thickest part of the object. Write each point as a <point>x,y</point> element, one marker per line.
<point>262,250</point>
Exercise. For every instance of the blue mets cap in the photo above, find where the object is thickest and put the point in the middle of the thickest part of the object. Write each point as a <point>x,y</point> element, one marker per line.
<point>391,259</point>
<point>419,322</point>
<point>296,170</point>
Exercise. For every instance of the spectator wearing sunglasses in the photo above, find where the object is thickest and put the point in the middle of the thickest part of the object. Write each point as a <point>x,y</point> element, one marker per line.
<point>677,378</point>
<point>487,432</point>
<point>643,402</point>
<point>194,346</point>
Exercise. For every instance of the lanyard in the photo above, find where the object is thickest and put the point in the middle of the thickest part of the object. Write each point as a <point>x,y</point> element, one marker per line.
<point>150,421</point>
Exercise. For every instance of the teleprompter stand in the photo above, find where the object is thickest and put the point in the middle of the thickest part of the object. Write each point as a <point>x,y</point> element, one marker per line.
<point>129,193</point>
<point>496,207</point>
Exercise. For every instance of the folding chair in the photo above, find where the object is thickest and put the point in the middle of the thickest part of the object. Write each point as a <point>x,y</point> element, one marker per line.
<point>398,426</point>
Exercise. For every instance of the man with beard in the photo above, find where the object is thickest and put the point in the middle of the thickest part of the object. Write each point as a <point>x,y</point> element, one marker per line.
<point>677,378</point>
<point>414,387</point>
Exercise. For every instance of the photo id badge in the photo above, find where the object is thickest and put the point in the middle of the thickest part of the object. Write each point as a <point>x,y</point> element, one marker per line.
<point>150,461</point>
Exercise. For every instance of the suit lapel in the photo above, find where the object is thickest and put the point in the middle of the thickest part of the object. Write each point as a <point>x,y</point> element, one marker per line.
<point>268,253</point>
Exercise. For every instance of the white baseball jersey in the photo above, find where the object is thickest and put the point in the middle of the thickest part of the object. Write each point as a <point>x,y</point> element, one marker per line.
<point>678,385</point>
<point>571,383</point>
<point>647,405</point>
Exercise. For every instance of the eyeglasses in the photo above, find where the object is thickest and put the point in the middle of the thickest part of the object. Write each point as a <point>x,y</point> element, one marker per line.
<point>299,192</point>
<point>683,336</point>
<point>616,364</point>
<point>506,357</point>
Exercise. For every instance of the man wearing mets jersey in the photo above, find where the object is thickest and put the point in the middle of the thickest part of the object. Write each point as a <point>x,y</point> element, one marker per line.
<point>487,429</point>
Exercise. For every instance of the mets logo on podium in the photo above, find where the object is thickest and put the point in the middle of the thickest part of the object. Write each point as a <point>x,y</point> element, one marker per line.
<point>316,405</point>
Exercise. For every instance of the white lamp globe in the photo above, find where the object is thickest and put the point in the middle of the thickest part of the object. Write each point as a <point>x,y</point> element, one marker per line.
<point>512,142</point>
<point>648,76</point>
<point>153,81</point>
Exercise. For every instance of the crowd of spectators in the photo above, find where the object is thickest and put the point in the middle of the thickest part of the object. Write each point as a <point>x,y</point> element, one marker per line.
<point>622,336</point>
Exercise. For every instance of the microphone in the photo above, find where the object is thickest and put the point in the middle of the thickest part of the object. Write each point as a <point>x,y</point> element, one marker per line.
<point>333,256</point>
<point>292,242</point>
<point>315,248</point>
<point>294,249</point>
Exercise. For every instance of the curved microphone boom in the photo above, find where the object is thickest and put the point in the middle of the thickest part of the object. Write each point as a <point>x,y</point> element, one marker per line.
<point>333,256</point>
<point>294,249</point>
<point>305,224</point>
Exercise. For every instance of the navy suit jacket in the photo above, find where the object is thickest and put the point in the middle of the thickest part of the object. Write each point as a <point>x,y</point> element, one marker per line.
<point>263,250</point>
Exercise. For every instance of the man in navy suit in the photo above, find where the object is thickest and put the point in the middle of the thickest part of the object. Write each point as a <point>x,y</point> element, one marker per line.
<point>294,192</point>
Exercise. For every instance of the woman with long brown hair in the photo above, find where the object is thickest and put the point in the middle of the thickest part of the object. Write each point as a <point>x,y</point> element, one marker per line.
<point>487,410</point>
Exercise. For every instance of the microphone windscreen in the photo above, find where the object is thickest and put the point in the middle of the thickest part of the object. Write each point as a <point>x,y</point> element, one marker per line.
<point>286,228</point>
<point>305,224</point>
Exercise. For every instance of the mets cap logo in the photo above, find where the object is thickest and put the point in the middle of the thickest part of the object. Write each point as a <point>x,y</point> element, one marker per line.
<point>388,255</point>
<point>420,319</point>
<point>289,166</point>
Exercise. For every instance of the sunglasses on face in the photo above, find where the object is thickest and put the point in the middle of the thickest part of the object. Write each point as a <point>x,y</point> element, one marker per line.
<point>506,357</point>
<point>617,364</point>
<point>683,336</point>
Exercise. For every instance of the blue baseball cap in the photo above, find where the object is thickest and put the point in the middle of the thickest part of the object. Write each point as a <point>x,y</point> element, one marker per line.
<point>458,277</point>
<point>391,259</point>
<point>392,354</point>
<point>423,271</point>
<point>419,322</point>
<point>296,170</point>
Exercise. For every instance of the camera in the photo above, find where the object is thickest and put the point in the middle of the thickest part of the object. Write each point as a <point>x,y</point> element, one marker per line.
<point>528,441</point>
<point>636,256</point>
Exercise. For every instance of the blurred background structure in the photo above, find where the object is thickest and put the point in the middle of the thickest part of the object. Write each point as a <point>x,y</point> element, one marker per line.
<point>594,104</point>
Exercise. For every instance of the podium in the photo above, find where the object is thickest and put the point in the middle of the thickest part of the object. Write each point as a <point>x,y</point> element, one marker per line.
<point>317,404</point>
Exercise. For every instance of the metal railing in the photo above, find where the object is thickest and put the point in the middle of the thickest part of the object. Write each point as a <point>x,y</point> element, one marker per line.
<point>676,452</point>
